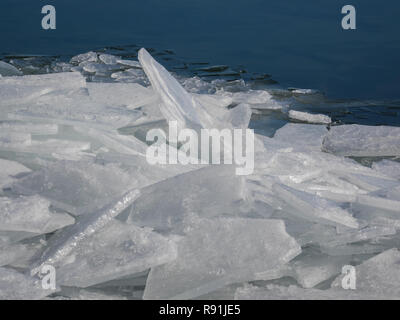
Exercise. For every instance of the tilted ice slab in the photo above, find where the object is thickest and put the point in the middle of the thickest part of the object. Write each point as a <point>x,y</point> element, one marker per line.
<point>218,252</point>
<point>18,286</point>
<point>115,251</point>
<point>363,141</point>
<point>9,171</point>
<point>314,208</point>
<point>213,190</point>
<point>7,70</point>
<point>65,242</point>
<point>30,214</point>
<point>77,186</point>
<point>309,117</point>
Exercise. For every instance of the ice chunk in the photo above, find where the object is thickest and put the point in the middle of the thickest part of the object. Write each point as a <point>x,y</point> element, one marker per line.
<point>214,100</point>
<point>378,276</point>
<point>218,252</point>
<point>17,286</point>
<point>63,243</point>
<point>77,186</point>
<point>311,269</point>
<point>130,63</point>
<point>388,168</point>
<point>26,127</point>
<point>309,117</point>
<point>363,141</point>
<point>7,70</point>
<point>30,214</point>
<point>314,208</point>
<point>239,116</point>
<point>257,99</point>
<point>131,95</point>
<point>10,169</point>
<point>14,139</point>
<point>16,90</point>
<point>115,251</point>
<point>302,135</point>
<point>89,56</point>
<point>108,59</point>
<point>208,191</point>
<point>276,292</point>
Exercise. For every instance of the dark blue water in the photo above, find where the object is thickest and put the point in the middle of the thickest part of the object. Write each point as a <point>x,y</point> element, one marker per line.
<point>301,44</point>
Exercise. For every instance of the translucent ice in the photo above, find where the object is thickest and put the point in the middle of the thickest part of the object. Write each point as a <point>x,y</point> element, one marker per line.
<point>363,141</point>
<point>9,170</point>
<point>208,191</point>
<point>63,243</point>
<point>378,276</point>
<point>178,104</point>
<point>218,252</point>
<point>7,70</point>
<point>77,186</point>
<point>122,250</point>
<point>30,214</point>
<point>302,135</point>
<point>309,117</point>
<point>17,286</point>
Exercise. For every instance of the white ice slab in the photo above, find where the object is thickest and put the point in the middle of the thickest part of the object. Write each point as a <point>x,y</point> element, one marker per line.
<point>218,252</point>
<point>363,141</point>
<point>122,250</point>
<point>309,117</point>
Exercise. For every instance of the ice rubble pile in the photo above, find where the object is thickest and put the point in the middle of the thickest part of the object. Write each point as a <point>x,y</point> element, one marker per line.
<point>79,195</point>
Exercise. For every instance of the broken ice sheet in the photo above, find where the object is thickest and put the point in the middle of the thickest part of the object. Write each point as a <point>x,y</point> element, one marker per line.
<point>363,141</point>
<point>9,171</point>
<point>312,268</point>
<point>378,276</point>
<point>17,90</point>
<point>209,191</point>
<point>302,136</point>
<point>18,286</point>
<point>26,127</point>
<point>64,242</point>
<point>30,214</point>
<point>131,95</point>
<point>388,168</point>
<point>217,252</point>
<point>309,117</point>
<point>313,208</point>
<point>115,251</point>
<point>77,187</point>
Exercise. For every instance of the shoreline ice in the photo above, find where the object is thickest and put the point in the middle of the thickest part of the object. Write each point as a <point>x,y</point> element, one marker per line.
<point>78,194</point>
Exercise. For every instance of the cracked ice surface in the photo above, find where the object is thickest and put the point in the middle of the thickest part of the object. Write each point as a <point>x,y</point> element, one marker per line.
<point>77,192</point>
